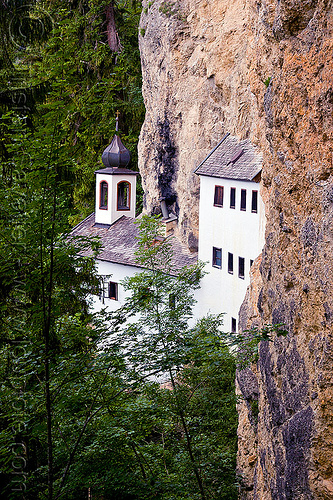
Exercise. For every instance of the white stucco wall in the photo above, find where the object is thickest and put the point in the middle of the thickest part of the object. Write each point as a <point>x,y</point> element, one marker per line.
<point>111,214</point>
<point>238,232</point>
<point>115,273</point>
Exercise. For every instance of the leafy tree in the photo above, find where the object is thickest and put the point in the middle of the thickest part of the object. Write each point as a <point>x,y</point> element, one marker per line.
<point>60,66</point>
<point>48,337</point>
<point>89,79</point>
<point>198,369</point>
<point>87,417</point>
<point>65,83</point>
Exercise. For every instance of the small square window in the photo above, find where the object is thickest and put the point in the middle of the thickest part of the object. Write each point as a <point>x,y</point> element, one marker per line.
<point>232,197</point>
<point>241,266</point>
<point>217,257</point>
<point>233,325</point>
<point>113,290</point>
<point>218,196</point>
<point>243,200</point>
<point>254,204</point>
<point>230,263</point>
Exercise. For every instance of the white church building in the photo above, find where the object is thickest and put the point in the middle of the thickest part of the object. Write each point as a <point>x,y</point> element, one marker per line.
<point>231,226</point>
<point>114,223</point>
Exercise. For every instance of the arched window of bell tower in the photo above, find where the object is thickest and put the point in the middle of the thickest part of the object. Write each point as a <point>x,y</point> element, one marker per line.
<point>123,195</point>
<point>103,195</point>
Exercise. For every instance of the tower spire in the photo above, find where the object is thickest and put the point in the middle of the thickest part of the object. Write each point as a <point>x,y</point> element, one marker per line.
<point>116,155</point>
<point>117,121</point>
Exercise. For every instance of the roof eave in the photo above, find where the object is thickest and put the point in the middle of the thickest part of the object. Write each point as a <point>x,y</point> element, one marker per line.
<point>255,178</point>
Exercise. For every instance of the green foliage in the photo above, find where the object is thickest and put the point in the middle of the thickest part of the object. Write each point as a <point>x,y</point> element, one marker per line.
<point>82,415</point>
<point>66,73</point>
<point>109,424</point>
<point>47,335</point>
<point>150,4</point>
<point>168,8</point>
<point>194,453</point>
<point>267,81</point>
<point>248,342</point>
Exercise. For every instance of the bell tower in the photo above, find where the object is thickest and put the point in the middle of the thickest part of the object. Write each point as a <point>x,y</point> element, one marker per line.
<point>115,184</point>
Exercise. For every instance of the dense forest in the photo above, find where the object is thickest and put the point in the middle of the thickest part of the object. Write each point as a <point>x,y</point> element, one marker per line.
<point>84,413</point>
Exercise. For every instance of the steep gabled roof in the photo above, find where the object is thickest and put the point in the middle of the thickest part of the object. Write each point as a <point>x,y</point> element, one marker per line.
<point>232,159</point>
<point>119,242</point>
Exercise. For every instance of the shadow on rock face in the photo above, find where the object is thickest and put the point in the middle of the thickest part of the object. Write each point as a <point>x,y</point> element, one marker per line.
<point>292,16</point>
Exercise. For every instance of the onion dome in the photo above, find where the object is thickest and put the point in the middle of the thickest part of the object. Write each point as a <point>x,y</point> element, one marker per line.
<point>116,155</point>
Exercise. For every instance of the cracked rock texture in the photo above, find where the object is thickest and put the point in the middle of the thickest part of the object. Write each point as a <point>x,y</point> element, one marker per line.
<point>261,69</point>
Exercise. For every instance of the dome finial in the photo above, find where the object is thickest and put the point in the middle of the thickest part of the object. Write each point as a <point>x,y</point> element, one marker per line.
<point>116,155</point>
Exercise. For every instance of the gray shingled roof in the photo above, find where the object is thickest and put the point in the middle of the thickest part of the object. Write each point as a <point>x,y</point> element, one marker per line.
<point>119,242</point>
<point>232,159</point>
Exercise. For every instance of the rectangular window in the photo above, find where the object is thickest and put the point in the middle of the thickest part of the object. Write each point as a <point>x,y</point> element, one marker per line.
<point>230,263</point>
<point>232,197</point>
<point>218,196</point>
<point>172,301</point>
<point>241,266</point>
<point>251,262</point>
<point>233,325</point>
<point>217,257</point>
<point>254,204</point>
<point>113,290</point>
<point>243,199</point>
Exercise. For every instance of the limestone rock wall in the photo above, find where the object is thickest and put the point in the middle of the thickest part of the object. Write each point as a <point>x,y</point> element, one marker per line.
<point>194,63</point>
<point>260,69</point>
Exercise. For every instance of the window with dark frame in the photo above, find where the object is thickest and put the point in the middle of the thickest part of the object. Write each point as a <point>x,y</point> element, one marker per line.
<point>233,325</point>
<point>230,263</point>
<point>241,267</point>
<point>218,196</point>
<point>123,196</point>
<point>243,200</point>
<point>172,301</point>
<point>217,257</point>
<point>232,197</point>
<point>254,203</point>
<point>103,195</point>
<point>113,290</point>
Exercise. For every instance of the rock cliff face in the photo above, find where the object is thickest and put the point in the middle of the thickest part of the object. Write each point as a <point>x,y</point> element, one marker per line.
<point>195,88</point>
<point>261,69</point>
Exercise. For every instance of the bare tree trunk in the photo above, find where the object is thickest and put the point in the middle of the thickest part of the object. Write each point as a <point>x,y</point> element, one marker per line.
<point>188,439</point>
<point>49,428</point>
<point>111,30</point>
<point>47,335</point>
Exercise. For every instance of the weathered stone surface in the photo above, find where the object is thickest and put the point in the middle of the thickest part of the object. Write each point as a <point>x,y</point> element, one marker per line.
<point>194,65</point>
<point>260,69</point>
